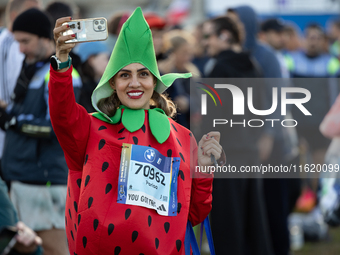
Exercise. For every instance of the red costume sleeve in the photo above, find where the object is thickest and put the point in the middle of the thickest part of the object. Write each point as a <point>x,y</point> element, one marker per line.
<point>70,121</point>
<point>201,198</point>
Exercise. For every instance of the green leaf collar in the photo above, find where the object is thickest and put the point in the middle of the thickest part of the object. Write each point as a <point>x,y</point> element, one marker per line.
<point>133,120</point>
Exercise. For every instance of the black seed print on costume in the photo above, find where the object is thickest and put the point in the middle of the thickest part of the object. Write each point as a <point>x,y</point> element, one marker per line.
<point>121,138</point>
<point>105,166</point>
<point>69,192</point>
<point>181,174</point>
<point>178,142</point>
<point>179,206</point>
<point>101,144</point>
<point>127,213</point>
<point>190,134</point>
<point>69,211</point>
<point>169,153</point>
<point>75,227</point>
<point>178,245</point>
<point>156,243</point>
<point>134,235</point>
<point>89,203</point>
<point>135,140</point>
<point>95,224</point>
<point>75,206</point>
<point>87,180</point>
<point>117,250</point>
<point>166,227</point>
<point>102,128</point>
<point>65,220</point>
<point>72,235</point>
<point>149,145</point>
<point>79,217</point>
<point>74,253</point>
<point>84,241</point>
<point>110,229</point>
<point>78,182</point>
<point>143,128</point>
<point>182,156</point>
<point>108,188</point>
<point>86,158</point>
<point>121,131</point>
<point>174,127</point>
<point>149,220</point>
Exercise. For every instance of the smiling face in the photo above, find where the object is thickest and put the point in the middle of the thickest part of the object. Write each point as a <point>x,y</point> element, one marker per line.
<point>134,85</point>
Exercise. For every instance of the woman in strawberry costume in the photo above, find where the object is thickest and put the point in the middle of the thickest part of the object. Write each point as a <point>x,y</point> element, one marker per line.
<point>130,185</point>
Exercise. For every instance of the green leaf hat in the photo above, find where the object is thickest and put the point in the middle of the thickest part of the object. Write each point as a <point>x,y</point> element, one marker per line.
<point>134,45</point>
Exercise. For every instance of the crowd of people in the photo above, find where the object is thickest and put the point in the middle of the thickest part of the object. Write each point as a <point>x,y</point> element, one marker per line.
<point>54,181</point>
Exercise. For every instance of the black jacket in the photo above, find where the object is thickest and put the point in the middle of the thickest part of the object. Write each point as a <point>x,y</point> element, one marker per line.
<point>32,153</point>
<point>229,64</point>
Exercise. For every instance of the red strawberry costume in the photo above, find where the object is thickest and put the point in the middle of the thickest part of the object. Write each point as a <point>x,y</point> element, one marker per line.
<point>95,222</point>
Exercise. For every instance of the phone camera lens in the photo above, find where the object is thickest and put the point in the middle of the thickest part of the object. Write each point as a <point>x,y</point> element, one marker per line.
<point>102,22</point>
<point>99,27</point>
<point>96,22</point>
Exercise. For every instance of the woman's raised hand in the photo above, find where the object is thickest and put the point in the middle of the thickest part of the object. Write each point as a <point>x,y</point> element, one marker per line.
<point>207,146</point>
<point>62,48</point>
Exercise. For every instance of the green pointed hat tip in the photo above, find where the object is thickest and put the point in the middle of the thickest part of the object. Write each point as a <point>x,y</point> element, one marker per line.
<point>136,19</point>
<point>134,45</point>
<point>138,11</point>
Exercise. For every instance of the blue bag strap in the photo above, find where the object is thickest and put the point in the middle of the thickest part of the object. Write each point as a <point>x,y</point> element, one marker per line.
<point>190,240</point>
<point>187,239</point>
<point>207,227</point>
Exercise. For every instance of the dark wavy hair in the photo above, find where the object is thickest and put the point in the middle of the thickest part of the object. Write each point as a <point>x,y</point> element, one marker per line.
<point>226,23</point>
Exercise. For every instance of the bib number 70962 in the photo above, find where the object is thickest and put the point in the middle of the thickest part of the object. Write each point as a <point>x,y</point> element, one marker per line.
<point>150,172</point>
<point>148,179</point>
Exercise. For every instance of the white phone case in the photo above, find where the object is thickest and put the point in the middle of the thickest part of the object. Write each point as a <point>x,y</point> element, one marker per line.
<point>87,30</point>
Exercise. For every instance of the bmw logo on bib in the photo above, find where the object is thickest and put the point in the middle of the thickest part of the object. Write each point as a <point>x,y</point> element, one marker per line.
<point>150,155</point>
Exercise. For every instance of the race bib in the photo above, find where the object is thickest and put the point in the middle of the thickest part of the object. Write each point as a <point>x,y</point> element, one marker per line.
<point>148,179</point>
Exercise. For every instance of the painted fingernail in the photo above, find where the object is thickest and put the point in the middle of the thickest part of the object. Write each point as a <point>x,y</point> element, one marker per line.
<point>70,18</point>
<point>68,25</point>
<point>73,35</point>
<point>202,152</point>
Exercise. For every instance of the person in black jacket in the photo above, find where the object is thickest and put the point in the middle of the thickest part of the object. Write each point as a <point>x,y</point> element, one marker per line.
<point>238,216</point>
<point>222,41</point>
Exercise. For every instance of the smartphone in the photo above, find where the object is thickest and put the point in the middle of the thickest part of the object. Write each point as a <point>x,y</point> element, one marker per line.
<point>87,30</point>
<point>7,239</point>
